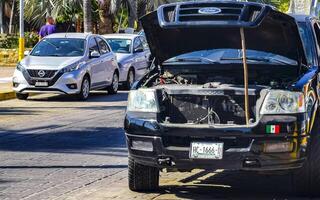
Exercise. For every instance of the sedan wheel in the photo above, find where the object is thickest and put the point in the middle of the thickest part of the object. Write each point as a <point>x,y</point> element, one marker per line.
<point>85,89</point>
<point>130,79</point>
<point>113,88</point>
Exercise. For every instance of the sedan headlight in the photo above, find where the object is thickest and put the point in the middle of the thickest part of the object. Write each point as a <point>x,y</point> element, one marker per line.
<point>142,100</point>
<point>73,67</point>
<point>20,67</point>
<point>283,102</point>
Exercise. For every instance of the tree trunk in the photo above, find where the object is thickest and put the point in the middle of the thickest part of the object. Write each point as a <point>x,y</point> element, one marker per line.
<point>133,4</point>
<point>11,17</point>
<point>87,16</point>
<point>1,17</point>
<point>106,18</point>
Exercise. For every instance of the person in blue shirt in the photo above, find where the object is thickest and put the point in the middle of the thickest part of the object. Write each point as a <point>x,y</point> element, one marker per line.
<point>47,29</point>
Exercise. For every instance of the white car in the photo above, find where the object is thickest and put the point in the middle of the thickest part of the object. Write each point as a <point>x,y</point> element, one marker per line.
<point>67,63</point>
<point>133,56</point>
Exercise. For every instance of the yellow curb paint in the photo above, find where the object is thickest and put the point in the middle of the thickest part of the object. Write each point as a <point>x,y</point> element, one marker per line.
<point>7,95</point>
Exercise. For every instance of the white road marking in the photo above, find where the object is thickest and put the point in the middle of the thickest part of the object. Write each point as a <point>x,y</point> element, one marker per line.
<point>6,80</point>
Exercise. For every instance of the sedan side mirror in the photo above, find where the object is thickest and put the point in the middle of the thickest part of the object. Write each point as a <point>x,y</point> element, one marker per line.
<point>138,50</point>
<point>26,53</point>
<point>94,54</point>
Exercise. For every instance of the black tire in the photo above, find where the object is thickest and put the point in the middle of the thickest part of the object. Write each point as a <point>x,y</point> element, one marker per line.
<point>306,181</point>
<point>113,88</point>
<point>85,89</point>
<point>130,79</point>
<point>141,177</point>
<point>22,96</point>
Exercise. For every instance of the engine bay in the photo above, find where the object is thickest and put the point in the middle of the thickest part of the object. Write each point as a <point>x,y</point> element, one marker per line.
<point>201,95</point>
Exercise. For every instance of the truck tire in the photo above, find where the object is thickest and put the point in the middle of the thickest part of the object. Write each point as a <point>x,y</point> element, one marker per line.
<point>306,181</point>
<point>141,177</point>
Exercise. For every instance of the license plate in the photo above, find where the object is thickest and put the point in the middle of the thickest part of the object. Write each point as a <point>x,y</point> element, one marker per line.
<point>206,150</point>
<point>42,84</point>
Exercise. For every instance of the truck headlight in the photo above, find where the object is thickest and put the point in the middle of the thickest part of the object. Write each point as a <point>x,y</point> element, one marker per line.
<point>142,100</point>
<point>283,102</point>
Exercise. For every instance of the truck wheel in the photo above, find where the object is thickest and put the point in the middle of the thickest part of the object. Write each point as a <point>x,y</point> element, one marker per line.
<point>142,178</point>
<point>306,181</point>
<point>113,88</point>
<point>22,96</point>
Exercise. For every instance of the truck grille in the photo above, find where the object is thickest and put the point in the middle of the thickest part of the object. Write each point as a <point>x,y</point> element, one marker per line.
<point>231,12</point>
<point>37,74</point>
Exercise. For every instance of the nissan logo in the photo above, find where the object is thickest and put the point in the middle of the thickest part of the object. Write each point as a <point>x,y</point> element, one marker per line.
<point>210,11</point>
<point>41,73</point>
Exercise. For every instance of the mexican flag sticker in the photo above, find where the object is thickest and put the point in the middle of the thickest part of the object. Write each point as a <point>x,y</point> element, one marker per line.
<point>273,129</point>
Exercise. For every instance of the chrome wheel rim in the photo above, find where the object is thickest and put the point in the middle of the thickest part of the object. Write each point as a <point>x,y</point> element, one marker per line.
<point>115,82</point>
<point>85,88</point>
<point>131,78</point>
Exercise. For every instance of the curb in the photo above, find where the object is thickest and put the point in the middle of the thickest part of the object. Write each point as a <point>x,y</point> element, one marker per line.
<point>7,95</point>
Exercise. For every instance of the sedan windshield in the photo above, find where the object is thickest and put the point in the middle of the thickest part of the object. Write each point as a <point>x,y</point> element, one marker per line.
<point>224,56</point>
<point>120,45</point>
<point>59,47</point>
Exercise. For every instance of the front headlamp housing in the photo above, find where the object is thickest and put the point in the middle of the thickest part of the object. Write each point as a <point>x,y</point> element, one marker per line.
<point>143,100</point>
<point>72,67</point>
<point>283,102</point>
<point>20,67</point>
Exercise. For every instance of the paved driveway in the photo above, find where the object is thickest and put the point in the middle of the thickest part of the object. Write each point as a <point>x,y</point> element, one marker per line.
<point>55,147</point>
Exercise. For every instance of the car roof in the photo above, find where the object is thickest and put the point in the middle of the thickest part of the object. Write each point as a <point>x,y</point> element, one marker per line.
<point>121,35</point>
<point>70,35</point>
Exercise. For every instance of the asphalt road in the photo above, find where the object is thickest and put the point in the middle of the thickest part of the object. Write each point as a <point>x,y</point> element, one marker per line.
<point>55,147</point>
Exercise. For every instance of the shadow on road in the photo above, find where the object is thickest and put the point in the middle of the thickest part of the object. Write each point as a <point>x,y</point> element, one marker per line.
<point>108,141</point>
<point>232,185</point>
<point>96,96</point>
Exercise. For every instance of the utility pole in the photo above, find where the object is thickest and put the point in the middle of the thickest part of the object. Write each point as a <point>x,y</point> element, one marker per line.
<point>21,38</point>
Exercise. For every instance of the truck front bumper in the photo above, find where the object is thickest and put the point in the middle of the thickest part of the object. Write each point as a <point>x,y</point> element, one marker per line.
<point>165,146</point>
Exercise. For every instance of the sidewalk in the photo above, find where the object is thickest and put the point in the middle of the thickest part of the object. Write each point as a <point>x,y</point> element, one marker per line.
<point>6,83</point>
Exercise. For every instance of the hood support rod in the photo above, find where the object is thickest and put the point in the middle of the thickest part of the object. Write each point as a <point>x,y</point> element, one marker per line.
<point>245,75</point>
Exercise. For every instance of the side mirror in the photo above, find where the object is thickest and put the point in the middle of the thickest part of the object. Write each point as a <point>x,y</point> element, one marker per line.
<point>94,54</point>
<point>138,50</point>
<point>26,53</point>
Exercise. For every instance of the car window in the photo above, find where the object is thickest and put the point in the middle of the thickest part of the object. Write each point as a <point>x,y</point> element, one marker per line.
<point>317,31</point>
<point>137,43</point>
<point>144,43</point>
<point>119,45</point>
<point>93,46</point>
<point>103,46</point>
<point>59,47</point>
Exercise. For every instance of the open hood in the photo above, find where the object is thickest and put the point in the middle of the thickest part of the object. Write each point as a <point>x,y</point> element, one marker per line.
<point>179,28</point>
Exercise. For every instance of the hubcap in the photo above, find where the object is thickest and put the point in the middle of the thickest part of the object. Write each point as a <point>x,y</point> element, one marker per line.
<point>115,82</point>
<point>85,88</point>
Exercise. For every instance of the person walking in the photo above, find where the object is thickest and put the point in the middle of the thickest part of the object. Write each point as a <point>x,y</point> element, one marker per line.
<point>47,29</point>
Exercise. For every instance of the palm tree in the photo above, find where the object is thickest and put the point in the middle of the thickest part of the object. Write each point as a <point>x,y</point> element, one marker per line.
<point>1,17</point>
<point>87,16</point>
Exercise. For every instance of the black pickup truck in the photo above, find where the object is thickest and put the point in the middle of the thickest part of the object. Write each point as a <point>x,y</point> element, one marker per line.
<point>234,85</point>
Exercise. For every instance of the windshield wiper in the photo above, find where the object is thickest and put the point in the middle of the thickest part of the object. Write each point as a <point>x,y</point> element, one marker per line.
<point>197,59</point>
<point>55,46</point>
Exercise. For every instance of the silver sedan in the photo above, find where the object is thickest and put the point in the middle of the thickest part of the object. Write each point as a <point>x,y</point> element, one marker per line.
<point>133,56</point>
<point>67,63</point>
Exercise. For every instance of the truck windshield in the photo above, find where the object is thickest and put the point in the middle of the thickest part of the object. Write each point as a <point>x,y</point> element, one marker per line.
<point>232,56</point>
<point>306,37</point>
<point>59,47</point>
